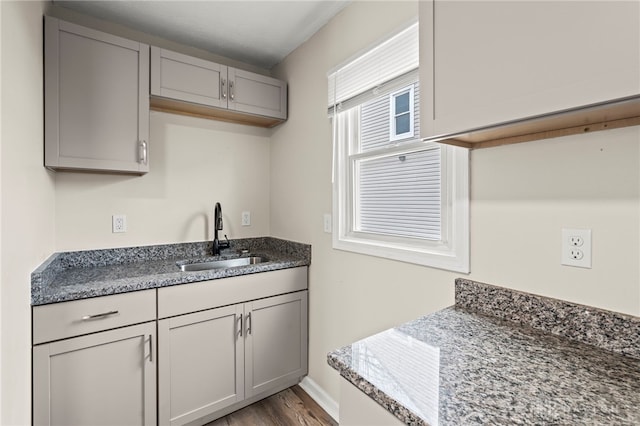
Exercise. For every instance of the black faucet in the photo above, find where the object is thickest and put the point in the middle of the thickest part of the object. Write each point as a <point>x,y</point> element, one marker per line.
<point>217,226</point>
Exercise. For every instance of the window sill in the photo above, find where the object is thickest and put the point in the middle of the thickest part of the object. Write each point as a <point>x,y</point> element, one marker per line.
<point>439,257</point>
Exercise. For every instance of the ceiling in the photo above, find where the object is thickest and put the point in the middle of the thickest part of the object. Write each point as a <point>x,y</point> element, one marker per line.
<point>261,33</point>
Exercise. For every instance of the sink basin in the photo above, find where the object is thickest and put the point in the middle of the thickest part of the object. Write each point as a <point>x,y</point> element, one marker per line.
<point>222,264</point>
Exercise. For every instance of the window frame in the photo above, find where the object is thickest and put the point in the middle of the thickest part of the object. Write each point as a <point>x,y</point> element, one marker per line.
<point>393,135</point>
<point>451,252</point>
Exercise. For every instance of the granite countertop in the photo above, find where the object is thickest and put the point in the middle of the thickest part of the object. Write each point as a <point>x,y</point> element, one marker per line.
<point>83,274</point>
<point>502,357</point>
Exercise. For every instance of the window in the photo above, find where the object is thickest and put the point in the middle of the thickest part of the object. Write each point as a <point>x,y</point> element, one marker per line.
<point>395,196</point>
<point>402,114</point>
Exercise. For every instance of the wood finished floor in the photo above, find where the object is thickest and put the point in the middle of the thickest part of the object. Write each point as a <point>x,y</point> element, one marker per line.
<point>291,407</point>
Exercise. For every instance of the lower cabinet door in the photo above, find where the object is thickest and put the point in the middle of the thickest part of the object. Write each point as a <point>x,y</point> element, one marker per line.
<point>276,341</point>
<point>106,378</point>
<point>201,368</point>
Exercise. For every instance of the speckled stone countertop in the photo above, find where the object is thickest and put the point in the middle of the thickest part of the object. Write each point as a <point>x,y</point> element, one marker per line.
<point>502,357</point>
<point>84,274</point>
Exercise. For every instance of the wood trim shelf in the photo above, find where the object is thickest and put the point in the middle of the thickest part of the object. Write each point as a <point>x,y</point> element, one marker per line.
<point>211,113</point>
<point>617,113</point>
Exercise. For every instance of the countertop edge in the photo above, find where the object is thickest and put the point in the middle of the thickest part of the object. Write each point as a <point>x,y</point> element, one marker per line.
<point>386,401</point>
<point>284,254</point>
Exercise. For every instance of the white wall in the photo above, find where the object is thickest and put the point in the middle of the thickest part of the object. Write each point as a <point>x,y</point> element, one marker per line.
<point>521,197</point>
<point>27,194</point>
<point>193,163</point>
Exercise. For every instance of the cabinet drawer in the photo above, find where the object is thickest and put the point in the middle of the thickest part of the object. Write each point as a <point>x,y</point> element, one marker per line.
<point>184,299</point>
<point>68,319</point>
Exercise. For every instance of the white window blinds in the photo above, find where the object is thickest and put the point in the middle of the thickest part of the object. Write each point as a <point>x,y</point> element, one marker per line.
<point>400,195</point>
<point>371,71</point>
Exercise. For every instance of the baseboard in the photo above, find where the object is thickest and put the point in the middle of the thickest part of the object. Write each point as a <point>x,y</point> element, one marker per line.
<point>323,399</point>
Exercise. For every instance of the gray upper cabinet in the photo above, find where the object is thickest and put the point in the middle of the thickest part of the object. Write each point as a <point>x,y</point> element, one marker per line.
<point>186,85</point>
<point>257,94</point>
<point>189,79</point>
<point>96,100</point>
<point>490,62</point>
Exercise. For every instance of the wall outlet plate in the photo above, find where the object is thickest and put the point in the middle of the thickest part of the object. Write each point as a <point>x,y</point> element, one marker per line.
<point>118,223</point>
<point>246,218</point>
<point>576,247</point>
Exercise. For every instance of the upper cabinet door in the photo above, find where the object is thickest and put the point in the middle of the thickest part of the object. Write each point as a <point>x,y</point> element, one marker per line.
<point>189,79</point>
<point>487,62</point>
<point>96,100</point>
<point>257,94</point>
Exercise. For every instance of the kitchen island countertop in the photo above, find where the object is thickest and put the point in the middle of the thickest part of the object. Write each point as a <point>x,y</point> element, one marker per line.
<point>502,357</point>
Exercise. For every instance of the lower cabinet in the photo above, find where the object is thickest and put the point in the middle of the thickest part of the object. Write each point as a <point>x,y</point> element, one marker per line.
<point>221,345</point>
<point>275,342</point>
<point>106,378</point>
<point>202,367</point>
<point>218,358</point>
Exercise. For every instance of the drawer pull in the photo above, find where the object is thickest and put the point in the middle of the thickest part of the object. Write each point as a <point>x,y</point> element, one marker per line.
<point>99,316</point>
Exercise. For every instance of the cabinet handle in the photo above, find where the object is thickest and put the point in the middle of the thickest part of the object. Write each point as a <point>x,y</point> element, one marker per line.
<point>150,348</point>
<point>99,316</point>
<point>143,153</point>
<point>231,94</point>
<point>239,332</point>
<point>249,323</point>
<point>223,83</point>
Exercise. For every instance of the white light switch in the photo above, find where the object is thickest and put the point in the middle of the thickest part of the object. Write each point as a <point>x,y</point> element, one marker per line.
<point>327,223</point>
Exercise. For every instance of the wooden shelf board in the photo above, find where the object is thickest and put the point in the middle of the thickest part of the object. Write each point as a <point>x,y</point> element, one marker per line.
<point>614,114</point>
<point>211,113</point>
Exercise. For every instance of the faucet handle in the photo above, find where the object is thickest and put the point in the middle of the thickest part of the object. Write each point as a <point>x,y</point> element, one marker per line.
<point>227,244</point>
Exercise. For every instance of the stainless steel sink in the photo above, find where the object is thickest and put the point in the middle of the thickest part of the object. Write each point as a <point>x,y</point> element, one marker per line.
<point>222,264</point>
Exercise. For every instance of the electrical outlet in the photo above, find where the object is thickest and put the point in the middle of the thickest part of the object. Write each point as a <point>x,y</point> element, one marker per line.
<point>576,240</point>
<point>118,223</point>
<point>576,247</point>
<point>327,223</point>
<point>246,218</point>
